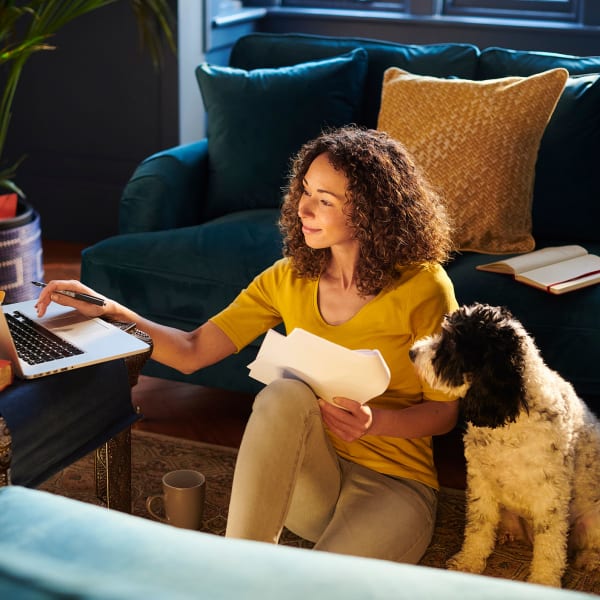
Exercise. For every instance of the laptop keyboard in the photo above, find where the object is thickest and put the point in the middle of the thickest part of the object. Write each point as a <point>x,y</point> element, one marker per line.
<point>36,344</point>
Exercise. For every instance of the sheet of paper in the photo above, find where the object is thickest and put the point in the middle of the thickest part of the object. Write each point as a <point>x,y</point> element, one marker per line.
<point>329,369</point>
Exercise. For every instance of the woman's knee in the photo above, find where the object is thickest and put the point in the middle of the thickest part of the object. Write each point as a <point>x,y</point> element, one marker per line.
<point>286,398</point>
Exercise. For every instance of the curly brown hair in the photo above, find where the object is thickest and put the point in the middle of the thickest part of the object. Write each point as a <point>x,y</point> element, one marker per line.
<point>397,218</point>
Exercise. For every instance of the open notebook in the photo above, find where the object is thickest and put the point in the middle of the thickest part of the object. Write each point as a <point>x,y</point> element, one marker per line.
<point>556,270</point>
<point>61,340</point>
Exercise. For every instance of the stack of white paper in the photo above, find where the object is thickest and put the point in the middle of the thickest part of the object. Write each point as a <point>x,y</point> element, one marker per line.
<point>329,369</point>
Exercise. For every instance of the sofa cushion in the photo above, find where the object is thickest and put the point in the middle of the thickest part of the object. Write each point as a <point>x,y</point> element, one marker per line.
<point>277,50</point>
<point>568,156</point>
<point>497,62</point>
<point>181,277</point>
<point>477,143</point>
<point>212,261</point>
<point>257,120</point>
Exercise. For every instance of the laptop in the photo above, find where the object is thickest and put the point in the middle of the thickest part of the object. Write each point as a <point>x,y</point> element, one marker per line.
<point>69,340</point>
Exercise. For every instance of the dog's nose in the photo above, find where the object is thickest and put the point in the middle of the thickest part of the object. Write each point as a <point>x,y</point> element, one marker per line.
<point>412,354</point>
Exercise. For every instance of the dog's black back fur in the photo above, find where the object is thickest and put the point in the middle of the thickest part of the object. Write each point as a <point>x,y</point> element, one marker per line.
<point>482,343</point>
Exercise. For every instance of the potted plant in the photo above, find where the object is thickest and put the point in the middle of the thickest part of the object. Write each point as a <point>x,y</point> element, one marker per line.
<point>27,27</point>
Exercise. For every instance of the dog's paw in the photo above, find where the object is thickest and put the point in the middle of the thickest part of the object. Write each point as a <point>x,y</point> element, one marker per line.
<point>550,579</point>
<point>546,571</point>
<point>587,559</point>
<point>459,562</point>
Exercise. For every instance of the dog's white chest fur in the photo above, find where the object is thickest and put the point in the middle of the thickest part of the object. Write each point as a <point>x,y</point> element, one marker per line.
<point>507,460</point>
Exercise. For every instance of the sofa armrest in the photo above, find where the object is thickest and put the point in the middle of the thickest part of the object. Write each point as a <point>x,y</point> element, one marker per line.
<point>166,190</point>
<point>55,547</point>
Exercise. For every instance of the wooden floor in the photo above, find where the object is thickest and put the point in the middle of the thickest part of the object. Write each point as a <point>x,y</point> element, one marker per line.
<point>191,411</point>
<point>168,407</point>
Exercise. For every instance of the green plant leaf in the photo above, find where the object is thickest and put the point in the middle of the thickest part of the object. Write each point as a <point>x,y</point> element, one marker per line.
<point>26,27</point>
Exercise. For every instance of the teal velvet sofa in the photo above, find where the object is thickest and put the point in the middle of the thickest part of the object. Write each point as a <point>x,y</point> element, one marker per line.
<point>54,547</point>
<point>199,221</point>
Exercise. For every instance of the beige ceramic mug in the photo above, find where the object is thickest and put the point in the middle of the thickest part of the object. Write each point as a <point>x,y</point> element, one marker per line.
<point>183,498</point>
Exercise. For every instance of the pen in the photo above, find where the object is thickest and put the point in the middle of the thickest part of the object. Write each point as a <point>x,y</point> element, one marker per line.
<point>76,295</point>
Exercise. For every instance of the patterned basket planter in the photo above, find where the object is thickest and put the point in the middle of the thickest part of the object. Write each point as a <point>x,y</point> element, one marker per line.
<point>21,255</point>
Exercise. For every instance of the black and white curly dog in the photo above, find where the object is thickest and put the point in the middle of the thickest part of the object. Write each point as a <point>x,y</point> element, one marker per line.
<point>532,446</point>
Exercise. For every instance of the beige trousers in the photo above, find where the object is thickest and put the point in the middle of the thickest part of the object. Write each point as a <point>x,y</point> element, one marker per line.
<point>288,474</point>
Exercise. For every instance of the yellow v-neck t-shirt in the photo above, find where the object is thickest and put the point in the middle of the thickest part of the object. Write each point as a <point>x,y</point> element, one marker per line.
<point>391,322</point>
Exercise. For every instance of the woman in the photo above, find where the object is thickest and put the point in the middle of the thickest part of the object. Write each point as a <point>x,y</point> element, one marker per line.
<point>364,239</point>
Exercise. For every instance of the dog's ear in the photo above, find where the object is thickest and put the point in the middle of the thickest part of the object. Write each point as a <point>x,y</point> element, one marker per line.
<point>496,395</point>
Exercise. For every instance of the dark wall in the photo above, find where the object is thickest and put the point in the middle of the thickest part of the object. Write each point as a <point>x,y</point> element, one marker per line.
<point>85,114</point>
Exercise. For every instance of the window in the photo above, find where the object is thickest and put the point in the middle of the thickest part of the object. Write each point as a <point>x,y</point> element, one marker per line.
<point>576,12</point>
<point>562,10</point>
<point>390,5</point>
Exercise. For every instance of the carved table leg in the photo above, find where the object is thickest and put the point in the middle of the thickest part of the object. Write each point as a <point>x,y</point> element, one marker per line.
<point>112,466</point>
<point>112,461</point>
<point>5,452</point>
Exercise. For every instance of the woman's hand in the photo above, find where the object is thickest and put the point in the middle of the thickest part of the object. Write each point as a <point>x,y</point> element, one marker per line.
<point>349,420</point>
<point>49,294</point>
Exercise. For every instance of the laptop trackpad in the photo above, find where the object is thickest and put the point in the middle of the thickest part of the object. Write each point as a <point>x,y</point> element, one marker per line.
<point>76,328</point>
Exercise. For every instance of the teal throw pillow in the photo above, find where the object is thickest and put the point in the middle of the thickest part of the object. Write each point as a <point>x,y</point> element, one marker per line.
<point>565,196</point>
<point>260,49</point>
<point>258,119</point>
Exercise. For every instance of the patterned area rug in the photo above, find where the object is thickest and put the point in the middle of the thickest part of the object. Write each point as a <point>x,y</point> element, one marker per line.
<point>153,455</point>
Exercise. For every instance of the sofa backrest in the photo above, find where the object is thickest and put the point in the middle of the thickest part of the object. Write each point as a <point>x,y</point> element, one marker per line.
<point>566,202</point>
<point>266,50</point>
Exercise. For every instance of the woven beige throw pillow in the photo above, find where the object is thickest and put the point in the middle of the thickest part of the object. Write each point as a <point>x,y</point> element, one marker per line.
<point>477,143</point>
